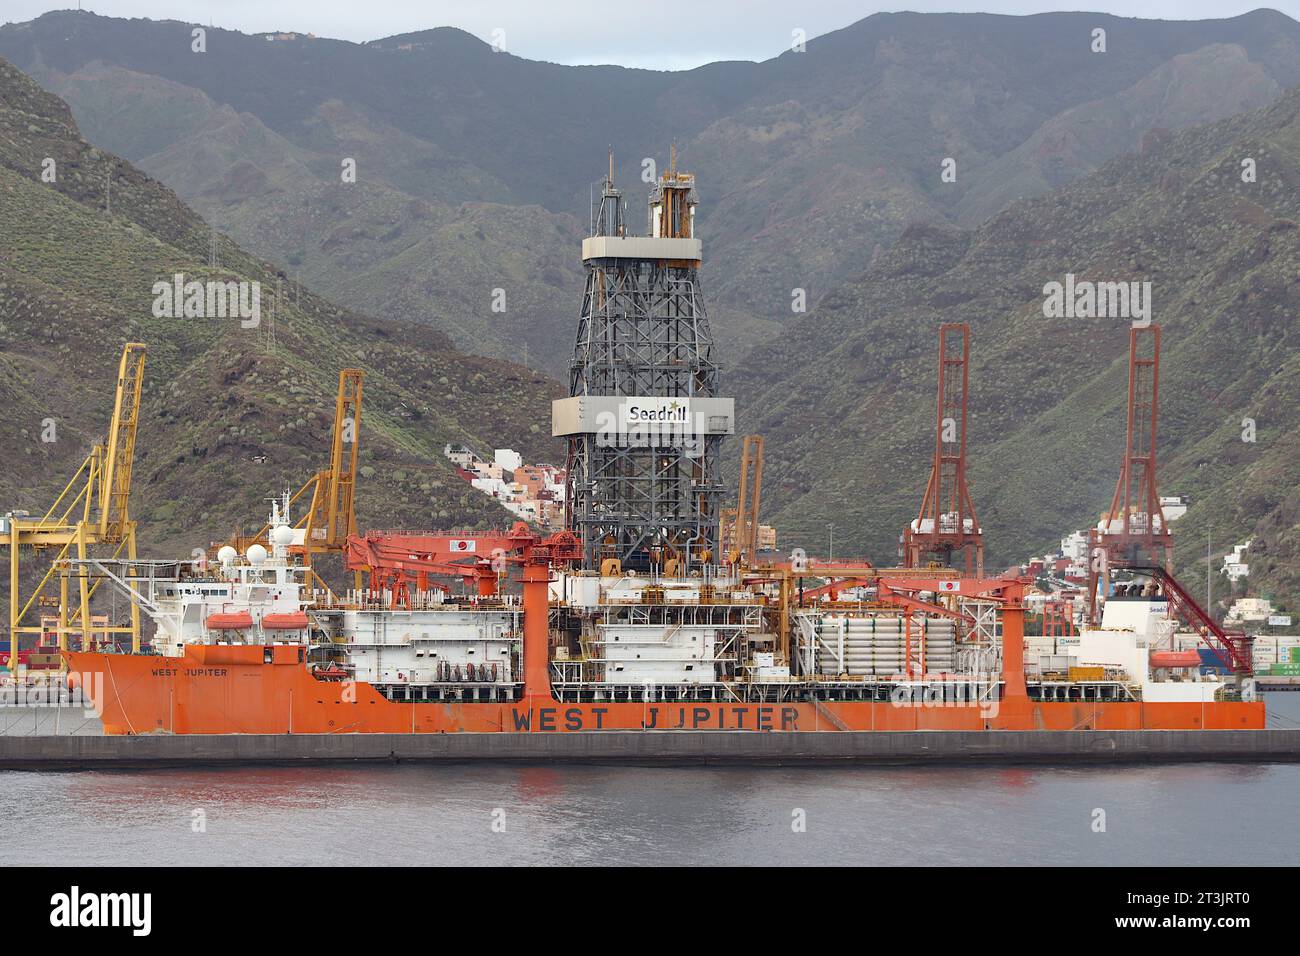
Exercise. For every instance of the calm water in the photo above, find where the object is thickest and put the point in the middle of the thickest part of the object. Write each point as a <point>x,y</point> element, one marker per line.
<point>1195,814</point>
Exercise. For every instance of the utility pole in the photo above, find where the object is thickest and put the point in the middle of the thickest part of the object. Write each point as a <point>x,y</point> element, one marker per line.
<point>831,555</point>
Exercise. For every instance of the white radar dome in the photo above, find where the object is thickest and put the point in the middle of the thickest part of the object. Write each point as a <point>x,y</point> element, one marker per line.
<point>256,554</point>
<point>227,554</point>
<point>282,535</point>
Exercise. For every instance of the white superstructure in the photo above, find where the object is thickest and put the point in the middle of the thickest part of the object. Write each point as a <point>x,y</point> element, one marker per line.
<point>258,598</point>
<point>1133,628</point>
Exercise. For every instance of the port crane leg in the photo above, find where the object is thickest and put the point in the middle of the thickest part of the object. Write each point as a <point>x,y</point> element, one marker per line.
<point>63,614</point>
<point>135,605</point>
<point>13,600</point>
<point>83,588</point>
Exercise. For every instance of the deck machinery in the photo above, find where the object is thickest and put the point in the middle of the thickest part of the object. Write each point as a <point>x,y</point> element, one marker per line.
<point>652,604</point>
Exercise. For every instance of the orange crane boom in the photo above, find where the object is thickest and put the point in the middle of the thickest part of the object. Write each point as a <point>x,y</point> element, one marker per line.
<point>738,530</point>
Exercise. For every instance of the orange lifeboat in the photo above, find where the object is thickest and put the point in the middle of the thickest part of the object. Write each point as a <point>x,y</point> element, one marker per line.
<point>1175,659</point>
<point>234,621</point>
<point>295,621</point>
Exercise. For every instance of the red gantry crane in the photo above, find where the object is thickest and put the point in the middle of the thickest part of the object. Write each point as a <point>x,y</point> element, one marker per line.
<point>1134,530</point>
<point>947,522</point>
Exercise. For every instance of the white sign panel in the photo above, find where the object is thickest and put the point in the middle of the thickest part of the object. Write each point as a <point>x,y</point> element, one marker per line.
<point>656,411</point>
<point>642,415</point>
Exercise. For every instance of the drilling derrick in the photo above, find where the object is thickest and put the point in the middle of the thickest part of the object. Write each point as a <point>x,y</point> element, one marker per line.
<point>947,521</point>
<point>1134,531</point>
<point>644,421</point>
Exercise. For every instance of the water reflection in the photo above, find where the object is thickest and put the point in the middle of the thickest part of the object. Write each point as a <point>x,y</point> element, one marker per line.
<point>416,814</point>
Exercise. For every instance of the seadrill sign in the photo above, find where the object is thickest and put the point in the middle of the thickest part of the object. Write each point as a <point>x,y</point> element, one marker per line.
<point>642,415</point>
<point>656,411</point>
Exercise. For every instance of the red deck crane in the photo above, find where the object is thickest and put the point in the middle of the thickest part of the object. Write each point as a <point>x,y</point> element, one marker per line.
<point>398,560</point>
<point>393,558</point>
<point>947,522</point>
<point>1233,648</point>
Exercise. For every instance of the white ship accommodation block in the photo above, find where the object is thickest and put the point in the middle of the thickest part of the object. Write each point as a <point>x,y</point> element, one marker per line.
<point>466,646</point>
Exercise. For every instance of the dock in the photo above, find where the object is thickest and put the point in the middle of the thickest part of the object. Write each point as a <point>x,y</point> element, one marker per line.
<point>656,747</point>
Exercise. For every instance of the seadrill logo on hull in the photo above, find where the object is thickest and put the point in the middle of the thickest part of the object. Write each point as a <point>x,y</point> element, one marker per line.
<point>76,909</point>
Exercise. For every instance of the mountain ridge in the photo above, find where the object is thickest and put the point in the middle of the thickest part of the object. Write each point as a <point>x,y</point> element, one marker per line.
<point>807,162</point>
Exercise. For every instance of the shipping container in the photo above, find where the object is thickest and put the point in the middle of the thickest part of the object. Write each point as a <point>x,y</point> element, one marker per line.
<point>1211,663</point>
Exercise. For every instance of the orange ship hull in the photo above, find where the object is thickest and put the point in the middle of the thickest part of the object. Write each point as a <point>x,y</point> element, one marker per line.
<point>267,690</point>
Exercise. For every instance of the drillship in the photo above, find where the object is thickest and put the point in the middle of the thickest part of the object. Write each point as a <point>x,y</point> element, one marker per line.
<point>639,616</point>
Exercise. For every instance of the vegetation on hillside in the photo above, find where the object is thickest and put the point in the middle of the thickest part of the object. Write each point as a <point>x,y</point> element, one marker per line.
<point>231,415</point>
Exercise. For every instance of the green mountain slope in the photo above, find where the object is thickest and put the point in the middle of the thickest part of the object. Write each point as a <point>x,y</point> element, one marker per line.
<point>76,281</point>
<point>846,397</point>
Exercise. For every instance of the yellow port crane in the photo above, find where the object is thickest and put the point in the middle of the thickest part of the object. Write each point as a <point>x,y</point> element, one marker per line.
<point>738,534</point>
<point>91,512</point>
<point>330,516</point>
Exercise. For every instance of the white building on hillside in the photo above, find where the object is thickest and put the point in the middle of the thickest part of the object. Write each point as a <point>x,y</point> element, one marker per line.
<point>1233,565</point>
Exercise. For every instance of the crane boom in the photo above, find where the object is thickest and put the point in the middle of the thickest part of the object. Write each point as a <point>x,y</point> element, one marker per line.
<point>330,516</point>
<point>119,456</point>
<point>739,526</point>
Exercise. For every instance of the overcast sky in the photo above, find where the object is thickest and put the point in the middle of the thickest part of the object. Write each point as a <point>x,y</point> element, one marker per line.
<point>662,36</point>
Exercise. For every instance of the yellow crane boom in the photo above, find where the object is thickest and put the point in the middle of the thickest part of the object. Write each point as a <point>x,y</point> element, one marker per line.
<point>330,494</point>
<point>739,526</point>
